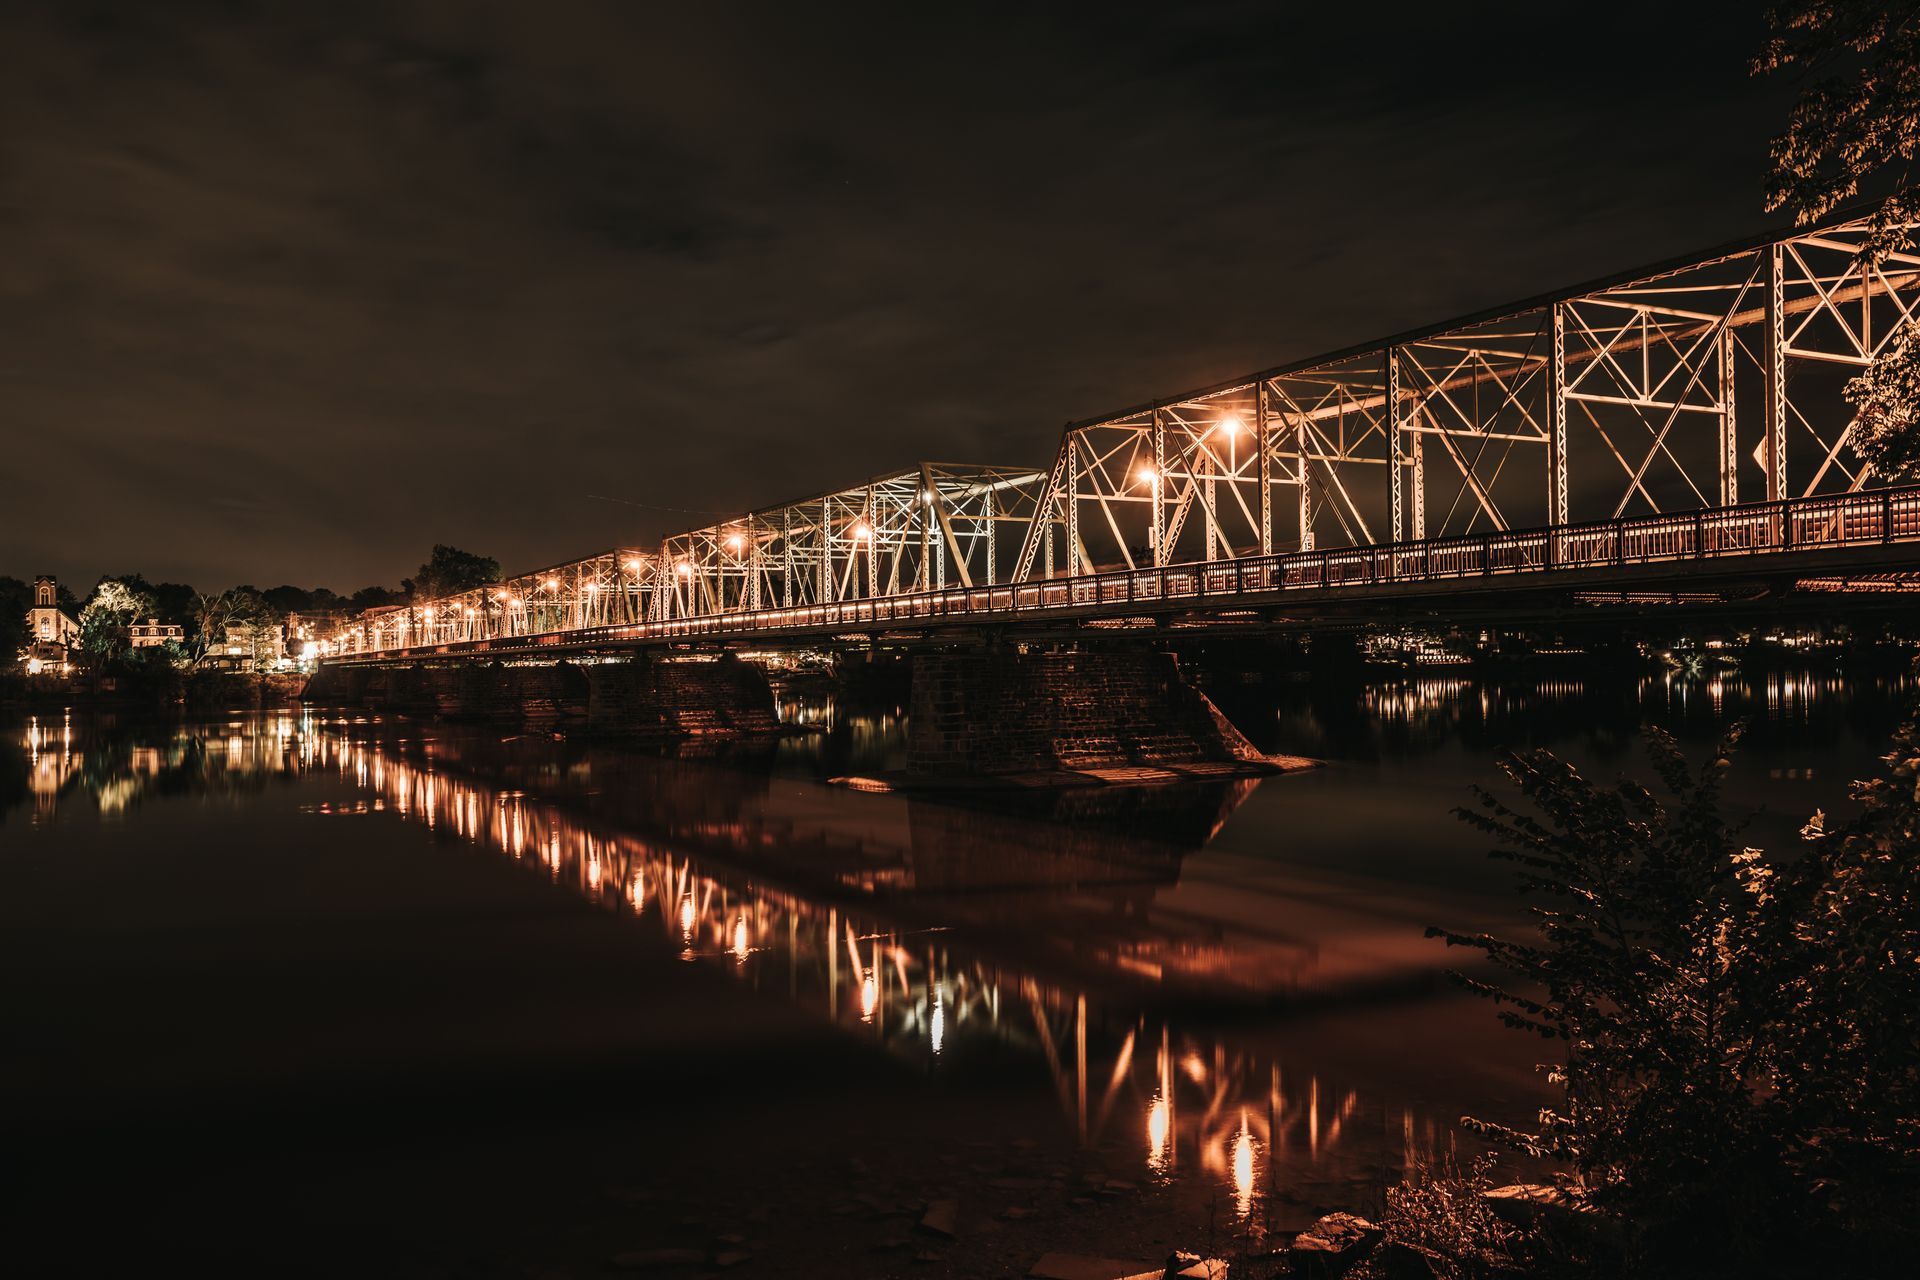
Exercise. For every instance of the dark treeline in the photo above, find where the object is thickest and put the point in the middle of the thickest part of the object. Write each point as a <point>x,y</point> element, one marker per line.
<point>118,600</point>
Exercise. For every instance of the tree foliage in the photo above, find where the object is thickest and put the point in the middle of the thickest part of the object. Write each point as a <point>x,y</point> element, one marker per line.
<point>449,571</point>
<point>1841,948</point>
<point>16,597</point>
<point>1737,1059</point>
<point>115,605</point>
<point>1853,133</point>
<point>235,616</point>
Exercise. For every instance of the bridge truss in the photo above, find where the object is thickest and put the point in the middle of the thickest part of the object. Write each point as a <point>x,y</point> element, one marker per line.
<point>1685,387</point>
<point>1581,426</point>
<point>911,531</point>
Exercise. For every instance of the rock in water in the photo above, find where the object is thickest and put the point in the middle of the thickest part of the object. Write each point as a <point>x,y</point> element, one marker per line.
<point>942,1219</point>
<point>1526,1204</point>
<point>1079,1266</point>
<point>1333,1244</point>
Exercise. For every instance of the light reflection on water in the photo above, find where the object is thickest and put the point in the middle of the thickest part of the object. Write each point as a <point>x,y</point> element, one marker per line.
<point>1196,1104</point>
<point>703,872</point>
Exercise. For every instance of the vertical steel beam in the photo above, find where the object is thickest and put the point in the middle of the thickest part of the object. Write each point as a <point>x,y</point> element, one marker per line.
<point>1305,474</point>
<point>872,540</point>
<point>1729,433</point>
<point>823,592</point>
<point>1266,466</point>
<point>1159,531</point>
<point>1557,421</point>
<point>786,558</point>
<point>1209,501</point>
<point>1419,490</point>
<point>1073,507</point>
<point>1396,482</point>
<point>992,568</point>
<point>1774,355</point>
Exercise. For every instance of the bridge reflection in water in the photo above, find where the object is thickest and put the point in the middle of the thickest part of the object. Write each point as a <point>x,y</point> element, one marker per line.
<point>1184,1100</point>
<point>955,939</point>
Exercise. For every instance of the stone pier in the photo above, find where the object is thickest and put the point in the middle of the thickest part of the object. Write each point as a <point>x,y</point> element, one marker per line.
<point>1049,713</point>
<point>647,697</point>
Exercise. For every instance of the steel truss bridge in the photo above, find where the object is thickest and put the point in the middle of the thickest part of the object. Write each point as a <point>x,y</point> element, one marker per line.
<point>1682,423</point>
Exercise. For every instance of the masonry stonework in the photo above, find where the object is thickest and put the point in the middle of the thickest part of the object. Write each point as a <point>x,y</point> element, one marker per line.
<point>996,713</point>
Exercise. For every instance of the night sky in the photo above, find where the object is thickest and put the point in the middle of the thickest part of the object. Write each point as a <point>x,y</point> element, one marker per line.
<point>290,293</point>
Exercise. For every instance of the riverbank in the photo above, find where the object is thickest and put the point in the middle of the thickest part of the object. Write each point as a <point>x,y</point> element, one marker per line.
<point>156,689</point>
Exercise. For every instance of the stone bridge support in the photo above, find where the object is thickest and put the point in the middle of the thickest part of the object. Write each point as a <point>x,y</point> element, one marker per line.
<point>1008,712</point>
<point>646,697</point>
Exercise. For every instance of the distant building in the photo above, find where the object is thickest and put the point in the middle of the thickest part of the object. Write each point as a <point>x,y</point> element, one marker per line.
<point>309,635</point>
<point>247,646</point>
<point>153,633</point>
<point>53,635</point>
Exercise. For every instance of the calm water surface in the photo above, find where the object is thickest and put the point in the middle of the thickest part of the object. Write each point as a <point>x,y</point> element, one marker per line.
<point>1224,990</point>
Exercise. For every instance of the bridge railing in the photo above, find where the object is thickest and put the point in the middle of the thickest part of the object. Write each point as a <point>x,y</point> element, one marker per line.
<point>1757,529</point>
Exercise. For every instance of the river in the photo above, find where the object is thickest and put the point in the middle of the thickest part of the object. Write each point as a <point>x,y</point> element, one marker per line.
<point>413,998</point>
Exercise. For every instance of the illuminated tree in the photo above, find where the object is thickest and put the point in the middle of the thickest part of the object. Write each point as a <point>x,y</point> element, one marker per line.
<point>237,616</point>
<point>114,606</point>
<point>1852,134</point>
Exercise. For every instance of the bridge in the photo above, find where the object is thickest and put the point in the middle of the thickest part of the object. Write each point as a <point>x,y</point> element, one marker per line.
<point>1679,428</point>
<point>1678,433</point>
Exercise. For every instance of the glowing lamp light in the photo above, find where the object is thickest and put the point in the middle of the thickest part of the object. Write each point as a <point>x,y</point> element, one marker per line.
<point>551,584</point>
<point>633,566</point>
<point>735,542</point>
<point>1147,475</point>
<point>593,588</point>
<point>685,569</point>
<point>1231,424</point>
<point>499,595</point>
<point>862,531</point>
<point>427,613</point>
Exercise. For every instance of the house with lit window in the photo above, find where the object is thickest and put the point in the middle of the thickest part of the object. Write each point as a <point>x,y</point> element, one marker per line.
<point>153,633</point>
<point>52,634</point>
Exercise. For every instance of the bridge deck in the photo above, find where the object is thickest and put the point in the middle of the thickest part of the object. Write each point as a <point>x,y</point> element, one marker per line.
<point>1860,532</point>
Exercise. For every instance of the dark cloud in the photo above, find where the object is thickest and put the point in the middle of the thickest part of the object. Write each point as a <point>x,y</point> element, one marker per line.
<point>293,293</point>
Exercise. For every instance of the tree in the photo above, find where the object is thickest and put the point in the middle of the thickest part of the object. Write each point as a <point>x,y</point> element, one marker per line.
<point>16,597</point>
<point>374,598</point>
<point>1632,977</point>
<point>1739,1067</point>
<point>114,606</point>
<point>1853,131</point>
<point>449,571</point>
<point>1842,948</point>
<point>236,616</point>
<point>286,599</point>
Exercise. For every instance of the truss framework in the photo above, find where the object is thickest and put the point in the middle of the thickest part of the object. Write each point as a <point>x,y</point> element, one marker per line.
<point>1675,390</point>
<point>913,530</point>
<point>1683,388</point>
